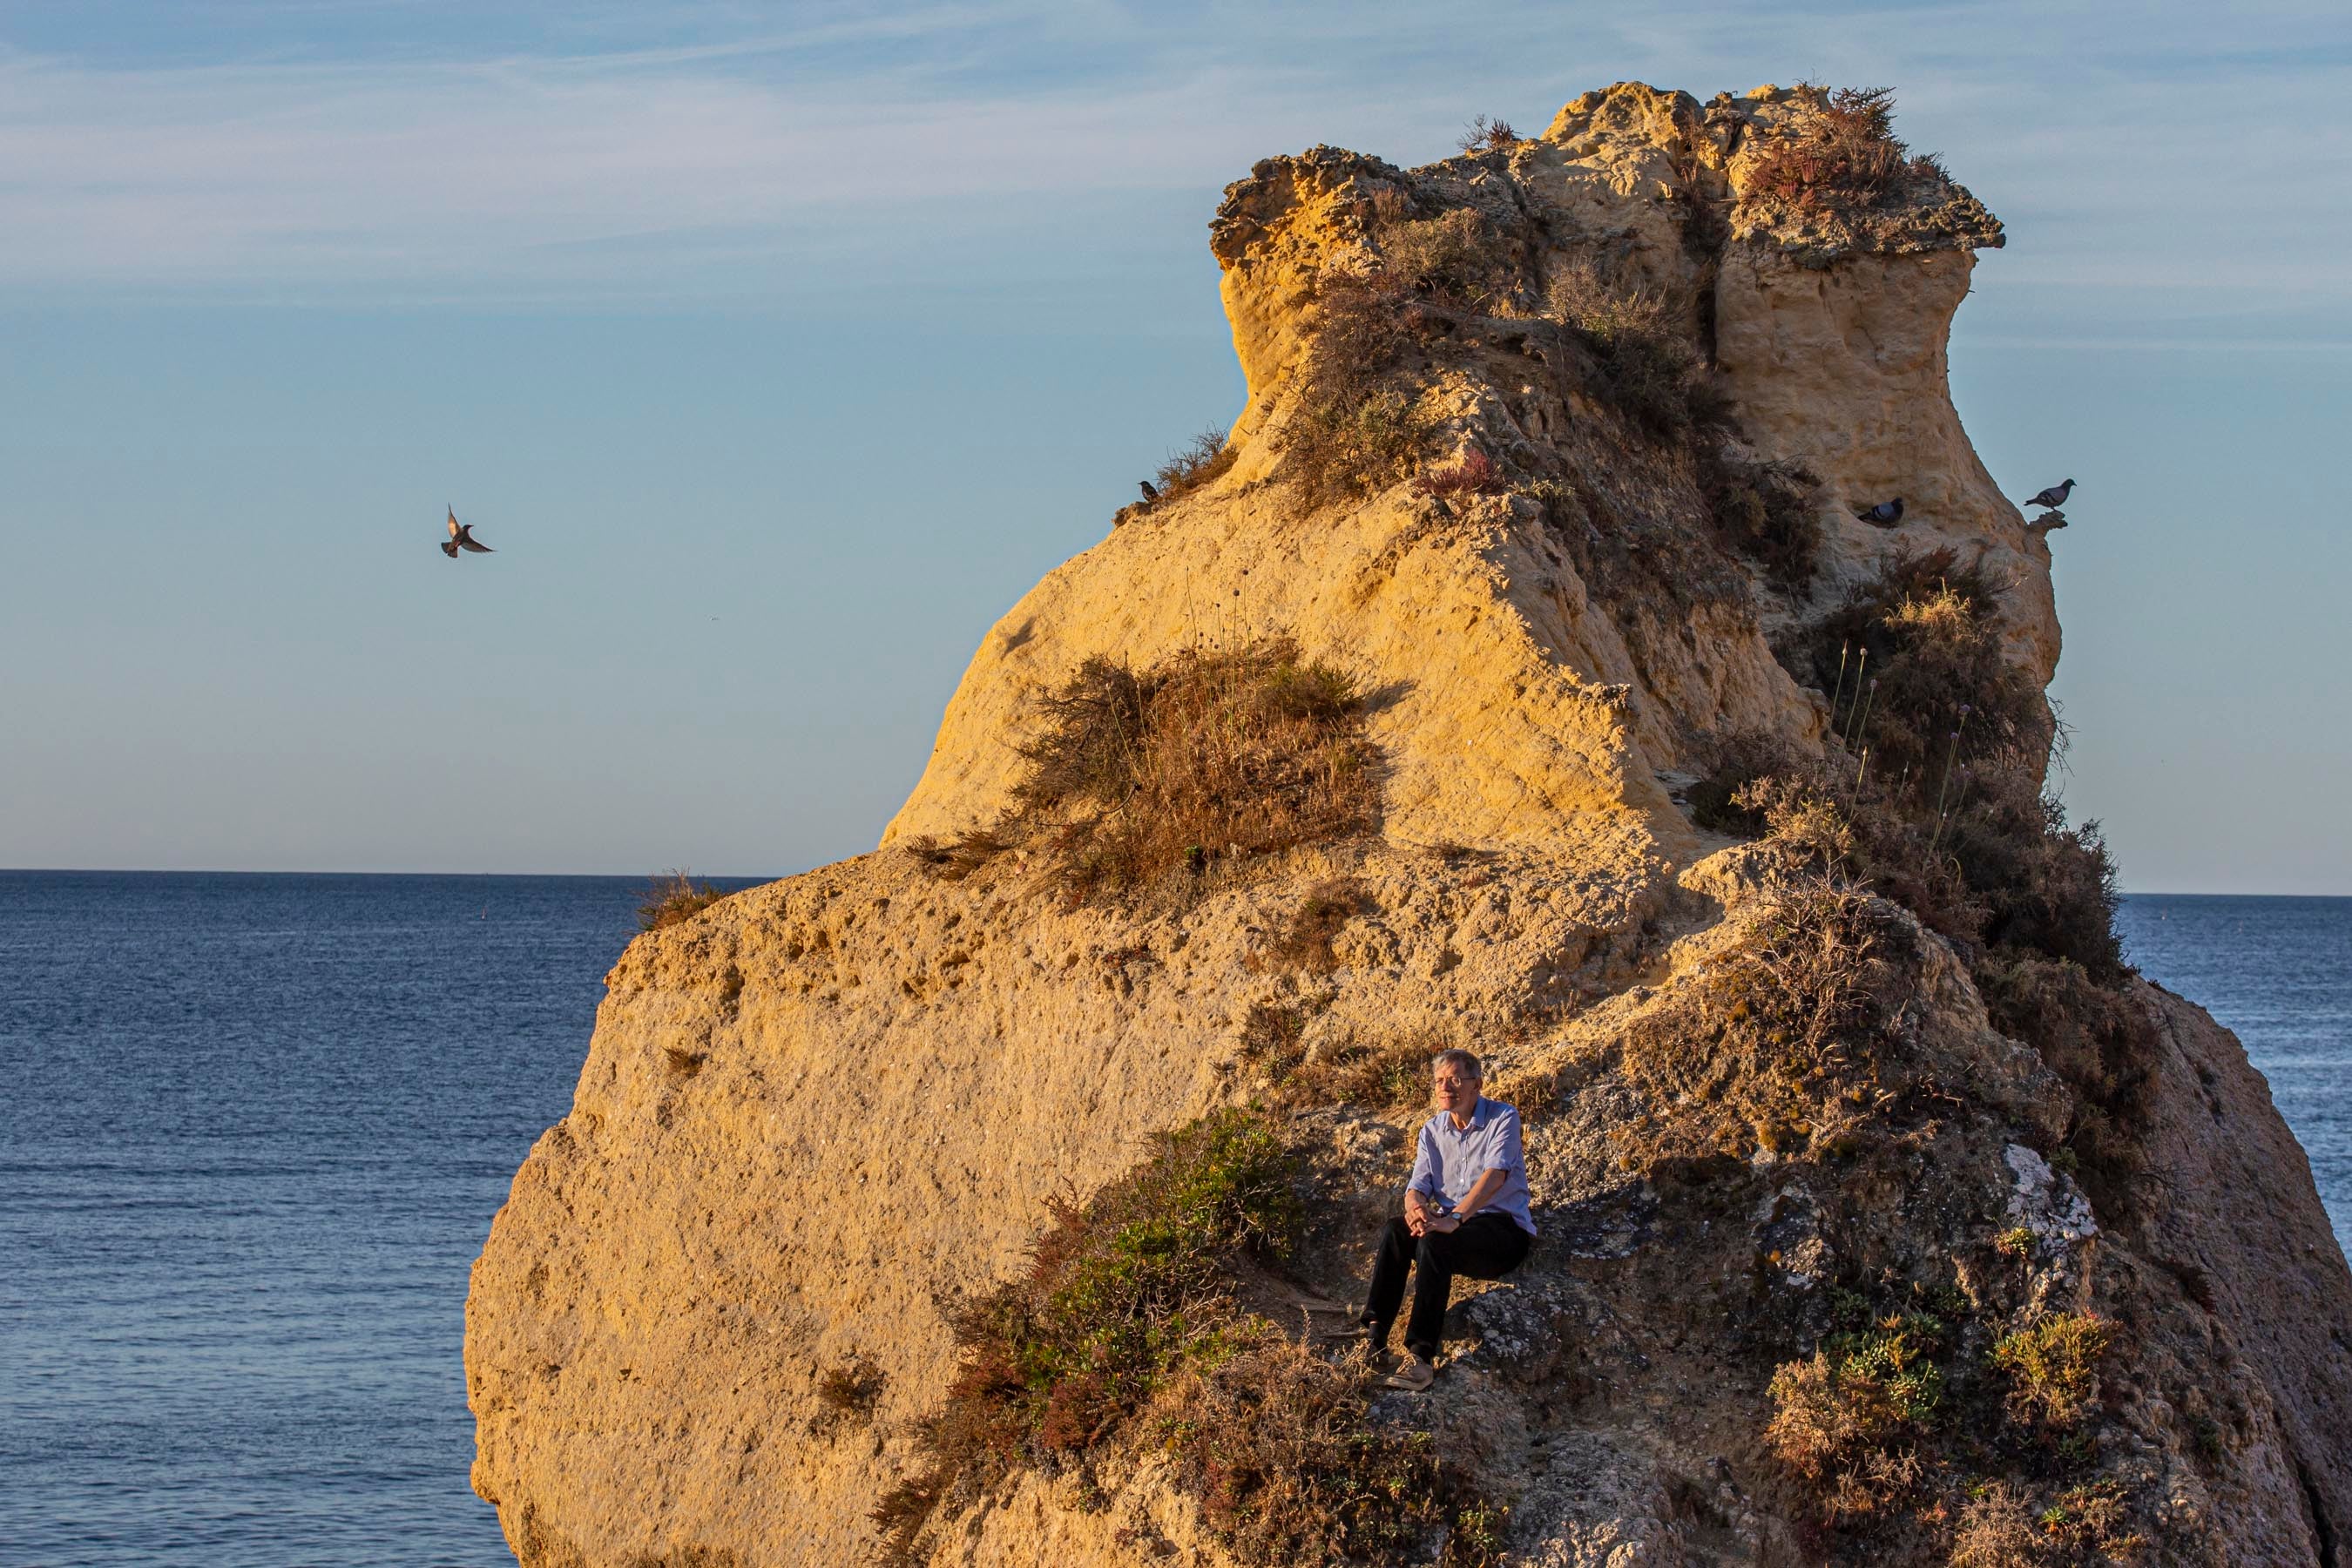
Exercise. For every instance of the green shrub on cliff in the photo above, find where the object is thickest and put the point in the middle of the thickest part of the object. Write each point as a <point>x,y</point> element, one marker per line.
<point>1120,1291</point>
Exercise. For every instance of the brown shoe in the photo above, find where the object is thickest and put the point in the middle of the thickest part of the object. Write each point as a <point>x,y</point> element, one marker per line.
<point>1413,1377</point>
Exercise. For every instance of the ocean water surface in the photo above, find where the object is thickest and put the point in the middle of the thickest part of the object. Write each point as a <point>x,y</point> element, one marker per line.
<point>256,1126</point>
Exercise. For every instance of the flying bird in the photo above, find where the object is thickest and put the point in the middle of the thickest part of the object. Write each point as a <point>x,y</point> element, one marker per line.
<point>461,537</point>
<point>2054,495</point>
<point>1150,491</point>
<point>1887,513</point>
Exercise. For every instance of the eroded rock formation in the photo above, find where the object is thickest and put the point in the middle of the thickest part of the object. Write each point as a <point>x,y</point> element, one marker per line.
<point>812,1114</point>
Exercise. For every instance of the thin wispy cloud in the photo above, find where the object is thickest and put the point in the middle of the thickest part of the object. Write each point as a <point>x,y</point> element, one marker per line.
<point>595,155</point>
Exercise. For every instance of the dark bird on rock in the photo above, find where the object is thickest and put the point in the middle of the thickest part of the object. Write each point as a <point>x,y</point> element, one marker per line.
<point>461,537</point>
<point>1150,491</point>
<point>1887,513</point>
<point>2054,495</point>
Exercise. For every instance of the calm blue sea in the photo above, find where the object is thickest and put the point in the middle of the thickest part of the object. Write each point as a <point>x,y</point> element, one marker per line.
<point>254,1128</point>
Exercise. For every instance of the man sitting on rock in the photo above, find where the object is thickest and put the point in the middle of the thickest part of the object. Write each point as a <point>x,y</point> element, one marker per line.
<point>1466,1211</point>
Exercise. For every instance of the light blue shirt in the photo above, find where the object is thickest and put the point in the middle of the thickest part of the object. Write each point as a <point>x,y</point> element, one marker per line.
<point>1449,1160</point>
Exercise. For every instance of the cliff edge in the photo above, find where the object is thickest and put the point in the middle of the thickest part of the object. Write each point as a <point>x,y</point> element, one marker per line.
<point>1519,673</point>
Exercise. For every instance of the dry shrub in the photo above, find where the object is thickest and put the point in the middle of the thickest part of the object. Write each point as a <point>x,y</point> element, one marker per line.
<point>848,1391</point>
<point>2096,1037</point>
<point>1733,761</point>
<point>1997,1531</point>
<point>1816,965</point>
<point>2029,901</point>
<point>1799,811</point>
<point>1949,814</point>
<point>1201,461</point>
<point>1649,372</point>
<point>1485,135</point>
<point>2046,888</point>
<point>1821,1420</point>
<point>1928,686</point>
<point>2053,1366</point>
<point>1270,1037</point>
<point>1120,1293</point>
<point>1454,258</point>
<point>675,898</point>
<point>959,856</point>
<point>2000,1528</point>
<point>1339,450</point>
<point>1385,1071</point>
<point>1199,763</point>
<point>1281,1449</point>
<point>1474,474</point>
<point>1350,432</point>
<point>1769,513</point>
<point>1761,1055</point>
<point>1845,155</point>
<point>1320,916</point>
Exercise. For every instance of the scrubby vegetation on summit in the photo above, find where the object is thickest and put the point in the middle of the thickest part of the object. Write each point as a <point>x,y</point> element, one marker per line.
<point>1845,154</point>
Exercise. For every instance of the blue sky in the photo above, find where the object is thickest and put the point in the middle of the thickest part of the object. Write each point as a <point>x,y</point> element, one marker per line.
<point>778,349</point>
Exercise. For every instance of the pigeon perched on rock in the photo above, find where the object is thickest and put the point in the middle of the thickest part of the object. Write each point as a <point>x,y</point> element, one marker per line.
<point>461,537</point>
<point>1150,491</point>
<point>1887,513</point>
<point>2054,495</point>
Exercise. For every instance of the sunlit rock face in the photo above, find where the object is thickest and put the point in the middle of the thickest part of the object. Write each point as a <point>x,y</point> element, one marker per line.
<point>812,1114</point>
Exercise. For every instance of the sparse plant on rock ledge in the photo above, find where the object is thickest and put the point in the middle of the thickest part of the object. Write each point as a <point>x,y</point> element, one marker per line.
<point>1454,257</point>
<point>1202,460</point>
<point>1485,135</point>
<point>675,898</point>
<point>1351,433</point>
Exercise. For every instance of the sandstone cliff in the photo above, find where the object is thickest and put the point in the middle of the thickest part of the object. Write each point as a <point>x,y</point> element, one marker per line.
<point>1604,404</point>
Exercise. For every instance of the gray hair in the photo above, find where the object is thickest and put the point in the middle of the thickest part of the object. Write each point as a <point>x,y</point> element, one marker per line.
<point>1457,1058</point>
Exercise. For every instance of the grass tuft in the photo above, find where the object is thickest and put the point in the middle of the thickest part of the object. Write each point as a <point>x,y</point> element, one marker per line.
<point>1199,462</point>
<point>1320,916</point>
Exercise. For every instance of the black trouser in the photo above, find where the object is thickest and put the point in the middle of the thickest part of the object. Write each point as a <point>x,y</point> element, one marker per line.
<point>1484,1246</point>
